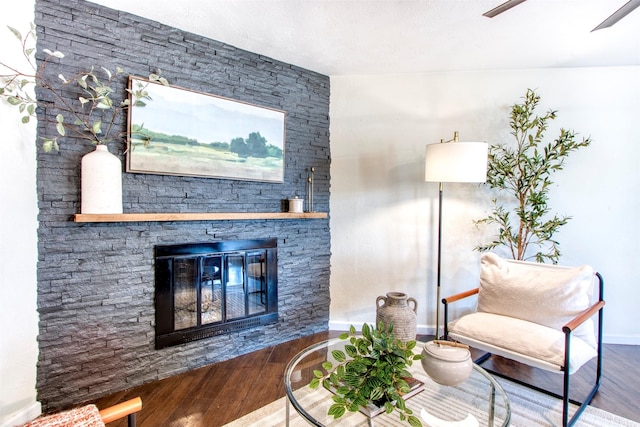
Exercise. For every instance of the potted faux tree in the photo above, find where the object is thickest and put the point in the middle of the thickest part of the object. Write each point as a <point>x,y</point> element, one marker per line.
<point>521,173</point>
<point>91,116</point>
<point>372,370</point>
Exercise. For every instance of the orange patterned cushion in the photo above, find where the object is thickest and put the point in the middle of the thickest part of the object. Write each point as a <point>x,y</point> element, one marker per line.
<point>86,416</point>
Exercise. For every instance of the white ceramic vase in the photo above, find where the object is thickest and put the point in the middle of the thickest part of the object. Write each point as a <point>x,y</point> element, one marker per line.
<point>101,182</point>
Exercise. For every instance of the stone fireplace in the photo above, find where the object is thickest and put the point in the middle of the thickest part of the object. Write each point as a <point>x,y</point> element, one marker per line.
<point>214,288</point>
<point>97,281</point>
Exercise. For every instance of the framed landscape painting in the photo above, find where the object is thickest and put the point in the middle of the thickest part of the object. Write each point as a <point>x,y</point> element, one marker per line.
<point>189,133</point>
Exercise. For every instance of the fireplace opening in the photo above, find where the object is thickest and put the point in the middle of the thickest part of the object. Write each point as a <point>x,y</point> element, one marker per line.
<point>215,288</point>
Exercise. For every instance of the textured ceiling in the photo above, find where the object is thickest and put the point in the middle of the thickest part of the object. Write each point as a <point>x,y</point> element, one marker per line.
<point>346,37</point>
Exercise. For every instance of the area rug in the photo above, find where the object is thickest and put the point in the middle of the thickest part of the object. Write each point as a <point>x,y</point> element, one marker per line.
<point>529,408</point>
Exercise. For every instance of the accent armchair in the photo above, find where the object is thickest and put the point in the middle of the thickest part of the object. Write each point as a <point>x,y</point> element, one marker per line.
<point>537,314</point>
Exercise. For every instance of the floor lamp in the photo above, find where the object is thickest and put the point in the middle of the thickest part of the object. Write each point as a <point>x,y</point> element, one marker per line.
<point>453,161</point>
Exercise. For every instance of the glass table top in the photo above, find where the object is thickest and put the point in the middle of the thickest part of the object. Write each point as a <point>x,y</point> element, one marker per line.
<point>479,396</point>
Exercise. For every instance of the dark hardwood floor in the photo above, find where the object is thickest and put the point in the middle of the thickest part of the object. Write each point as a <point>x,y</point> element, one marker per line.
<point>217,394</point>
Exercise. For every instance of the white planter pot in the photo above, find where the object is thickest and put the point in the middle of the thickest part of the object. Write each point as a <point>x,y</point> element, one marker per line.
<point>101,182</point>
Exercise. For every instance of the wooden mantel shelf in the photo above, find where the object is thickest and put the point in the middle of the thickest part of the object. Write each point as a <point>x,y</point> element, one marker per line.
<point>195,216</point>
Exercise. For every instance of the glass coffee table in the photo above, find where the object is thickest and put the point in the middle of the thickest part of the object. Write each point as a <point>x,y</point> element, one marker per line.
<point>479,396</point>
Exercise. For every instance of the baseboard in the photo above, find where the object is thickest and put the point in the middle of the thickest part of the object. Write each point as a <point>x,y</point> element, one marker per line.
<point>23,416</point>
<point>621,339</point>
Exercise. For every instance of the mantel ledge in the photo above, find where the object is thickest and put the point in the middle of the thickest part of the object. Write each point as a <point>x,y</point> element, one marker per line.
<point>195,216</point>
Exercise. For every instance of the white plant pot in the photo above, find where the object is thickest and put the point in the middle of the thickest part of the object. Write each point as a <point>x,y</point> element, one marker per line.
<point>101,182</point>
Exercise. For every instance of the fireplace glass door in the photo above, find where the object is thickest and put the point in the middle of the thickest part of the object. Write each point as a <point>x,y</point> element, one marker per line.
<point>201,292</point>
<point>200,297</point>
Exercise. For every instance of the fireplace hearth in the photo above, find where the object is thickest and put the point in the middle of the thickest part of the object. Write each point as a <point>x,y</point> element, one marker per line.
<point>214,288</point>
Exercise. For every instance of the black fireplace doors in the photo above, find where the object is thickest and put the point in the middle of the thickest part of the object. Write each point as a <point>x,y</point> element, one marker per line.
<point>208,289</point>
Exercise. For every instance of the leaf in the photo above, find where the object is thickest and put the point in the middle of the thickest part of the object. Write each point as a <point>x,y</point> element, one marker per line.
<point>48,51</point>
<point>366,331</point>
<point>338,355</point>
<point>351,350</point>
<point>96,127</point>
<point>107,72</point>
<point>414,421</point>
<point>376,394</point>
<point>50,144</point>
<point>61,77</point>
<point>327,366</point>
<point>336,411</point>
<point>317,373</point>
<point>14,100</point>
<point>47,145</point>
<point>15,32</point>
<point>104,104</point>
<point>60,125</point>
<point>25,119</point>
<point>315,383</point>
<point>82,81</point>
<point>337,398</point>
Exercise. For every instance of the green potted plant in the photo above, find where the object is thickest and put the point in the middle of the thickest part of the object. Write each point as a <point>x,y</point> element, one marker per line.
<point>372,369</point>
<point>521,173</point>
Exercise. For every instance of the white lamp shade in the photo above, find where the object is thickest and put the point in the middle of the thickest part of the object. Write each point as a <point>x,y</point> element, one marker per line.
<point>456,162</point>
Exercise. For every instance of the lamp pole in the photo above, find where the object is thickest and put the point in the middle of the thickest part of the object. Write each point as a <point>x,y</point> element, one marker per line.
<point>452,161</point>
<point>439,262</point>
<point>439,266</point>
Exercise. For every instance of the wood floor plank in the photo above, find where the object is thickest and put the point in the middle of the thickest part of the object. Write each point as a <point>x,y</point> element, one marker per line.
<point>219,393</point>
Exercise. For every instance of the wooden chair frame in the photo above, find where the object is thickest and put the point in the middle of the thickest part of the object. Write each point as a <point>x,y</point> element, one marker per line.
<point>568,328</point>
<point>127,409</point>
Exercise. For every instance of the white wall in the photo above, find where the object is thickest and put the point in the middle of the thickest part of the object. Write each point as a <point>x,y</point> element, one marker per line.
<point>384,216</point>
<point>18,243</point>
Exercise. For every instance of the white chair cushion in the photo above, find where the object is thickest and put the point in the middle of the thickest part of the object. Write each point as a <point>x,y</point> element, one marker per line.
<point>544,294</point>
<point>520,340</point>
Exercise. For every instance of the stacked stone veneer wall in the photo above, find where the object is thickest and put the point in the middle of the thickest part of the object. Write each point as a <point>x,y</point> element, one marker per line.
<point>96,281</point>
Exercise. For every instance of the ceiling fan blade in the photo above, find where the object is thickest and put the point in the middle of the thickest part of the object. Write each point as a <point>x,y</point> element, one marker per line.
<point>503,7</point>
<point>618,15</point>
